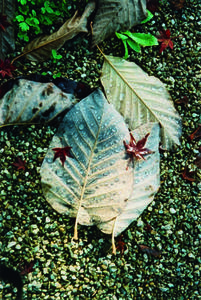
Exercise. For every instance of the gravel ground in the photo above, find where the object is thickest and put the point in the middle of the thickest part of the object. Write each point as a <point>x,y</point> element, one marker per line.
<point>30,230</point>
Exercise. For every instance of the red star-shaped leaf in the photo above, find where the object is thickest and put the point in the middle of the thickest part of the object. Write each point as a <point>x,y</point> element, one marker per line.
<point>137,150</point>
<point>188,175</point>
<point>196,134</point>
<point>165,40</point>
<point>120,245</point>
<point>62,153</point>
<point>6,68</point>
<point>28,268</point>
<point>20,164</point>
<point>3,22</point>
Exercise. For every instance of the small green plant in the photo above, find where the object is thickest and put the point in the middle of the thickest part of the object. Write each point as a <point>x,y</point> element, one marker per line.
<point>136,40</point>
<point>33,15</point>
<point>55,56</point>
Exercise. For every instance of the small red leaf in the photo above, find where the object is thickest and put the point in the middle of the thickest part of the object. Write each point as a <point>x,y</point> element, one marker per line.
<point>149,251</point>
<point>184,100</point>
<point>120,245</point>
<point>198,161</point>
<point>20,164</point>
<point>177,4</point>
<point>152,5</point>
<point>3,22</point>
<point>148,228</point>
<point>6,68</point>
<point>28,268</point>
<point>165,40</point>
<point>62,153</point>
<point>196,134</point>
<point>188,175</point>
<point>137,150</point>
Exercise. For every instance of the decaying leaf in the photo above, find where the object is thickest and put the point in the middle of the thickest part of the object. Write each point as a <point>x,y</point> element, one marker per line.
<point>117,15</point>
<point>93,185</point>
<point>198,161</point>
<point>7,36</point>
<point>146,183</point>
<point>19,164</point>
<point>152,5</point>
<point>41,48</point>
<point>188,175</point>
<point>6,68</point>
<point>140,98</point>
<point>30,101</point>
<point>149,251</point>
<point>196,134</point>
<point>3,22</point>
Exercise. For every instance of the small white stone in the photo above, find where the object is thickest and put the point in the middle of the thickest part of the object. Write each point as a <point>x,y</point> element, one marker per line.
<point>172,210</point>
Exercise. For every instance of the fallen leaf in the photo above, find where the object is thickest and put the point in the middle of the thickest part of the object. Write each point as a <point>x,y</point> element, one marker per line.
<point>120,245</point>
<point>177,4</point>
<point>188,175</point>
<point>7,32</point>
<point>136,149</point>
<point>93,185</point>
<point>62,153</point>
<point>196,134</point>
<point>34,102</point>
<point>183,100</point>
<point>146,183</point>
<point>41,48</point>
<point>165,40</point>
<point>149,251</point>
<point>148,228</point>
<point>152,5</point>
<point>140,98</point>
<point>198,161</point>
<point>3,22</point>
<point>20,164</point>
<point>27,268</point>
<point>115,16</point>
<point>6,68</point>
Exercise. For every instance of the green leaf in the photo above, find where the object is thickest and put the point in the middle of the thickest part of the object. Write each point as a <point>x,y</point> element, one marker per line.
<point>121,36</point>
<point>33,12</point>
<point>55,55</point>
<point>143,39</point>
<point>24,26</point>
<point>126,50</point>
<point>135,46</point>
<point>23,2</point>
<point>20,18</point>
<point>148,18</point>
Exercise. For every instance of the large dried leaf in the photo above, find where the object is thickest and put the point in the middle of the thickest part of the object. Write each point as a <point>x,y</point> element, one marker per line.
<point>140,98</point>
<point>30,101</point>
<point>7,38</point>
<point>41,48</point>
<point>116,15</point>
<point>146,182</point>
<point>93,185</point>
